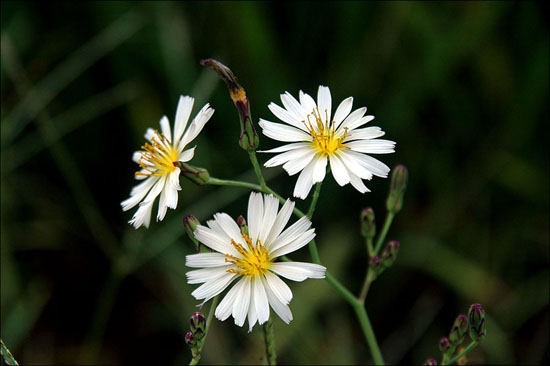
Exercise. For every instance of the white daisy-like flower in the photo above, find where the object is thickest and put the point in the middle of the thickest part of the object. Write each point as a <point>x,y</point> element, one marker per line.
<point>250,260</point>
<point>158,159</point>
<point>316,137</point>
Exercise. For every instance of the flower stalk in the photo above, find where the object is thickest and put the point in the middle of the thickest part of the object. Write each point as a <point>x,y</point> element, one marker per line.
<point>269,337</point>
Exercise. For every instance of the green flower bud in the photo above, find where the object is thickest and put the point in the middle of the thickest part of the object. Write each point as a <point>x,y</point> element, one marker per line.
<point>390,253</point>
<point>242,224</point>
<point>431,362</point>
<point>459,330</point>
<point>189,339</point>
<point>249,139</point>
<point>191,222</point>
<point>198,322</point>
<point>476,316</point>
<point>195,174</point>
<point>398,185</point>
<point>376,265</point>
<point>444,344</point>
<point>368,225</point>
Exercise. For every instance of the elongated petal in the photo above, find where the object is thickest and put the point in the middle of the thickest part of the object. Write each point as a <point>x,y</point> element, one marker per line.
<point>304,182</point>
<point>165,128</point>
<point>354,165</point>
<point>296,165</point>
<point>271,206</point>
<point>142,217</point>
<point>302,240</point>
<point>290,234</point>
<point>307,102</point>
<point>280,222</point>
<point>214,240</point>
<point>377,146</point>
<point>374,165</point>
<point>260,300</point>
<point>339,171</point>
<point>357,183</point>
<point>138,193</point>
<point>206,274</point>
<point>280,132</point>
<point>298,271</point>
<point>242,301</point>
<point>279,288</point>
<point>225,307</point>
<point>287,147</point>
<point>213,287</point>
<point>201,260</point>
<point>351,120</point>
<point>229,226</point>
<point>367,133</point>
<point>255,214</point>
<point>195,127</point>
<point>324,102</point>
<point>286,116</point>
<point>319,169</point>
<point>185,105</point>
<point>343,110</point>
<point>281,309</point>
<point>293,107</point>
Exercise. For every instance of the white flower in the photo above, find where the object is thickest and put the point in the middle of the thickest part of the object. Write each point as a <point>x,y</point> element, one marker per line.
<point>316,138</point>
<point>250,259</point>
<point>159,173</point>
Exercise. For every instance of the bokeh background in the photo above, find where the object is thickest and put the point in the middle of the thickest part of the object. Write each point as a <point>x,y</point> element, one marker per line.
<point>461,86</point>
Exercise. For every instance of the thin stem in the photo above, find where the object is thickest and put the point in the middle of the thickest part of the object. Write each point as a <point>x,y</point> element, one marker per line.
<point>195,360</point>
<point>369,333</point>
<point>370,249</point>
<point>385,228</point>
<point>369,278</point>
<point>234,183</point>
<point>257,169</point>
<point>313,203</point>
<point>269,337</point>
<point>470,347</point>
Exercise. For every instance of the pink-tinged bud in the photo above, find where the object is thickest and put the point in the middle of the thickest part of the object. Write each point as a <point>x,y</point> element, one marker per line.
<point>431,362</point>
<point>444,344</point>
<point>389,254</point>
<point>198,322</point>
<point>242,225</point>
<point>459,330</point>
<point>476,316</point>
<point>189,339</point>
<point>368,225</point>
<point>191,222</point>
<point>249,139</point>
<point>398,186</point>
<point>195,174</point>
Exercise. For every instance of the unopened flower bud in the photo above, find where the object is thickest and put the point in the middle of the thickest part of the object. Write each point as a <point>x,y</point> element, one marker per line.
<point>476,316</point>
<point>198,322</point>
<point>459,330</point>
<point>376,265</point>
<point>444,344</point>
<point>242,224</point>
<point>249,139</point>
<point>390,253</point>
<point>195,174</point>
<point>191,222</point>
<point>398,185</point>
<point>431,362</point>
<point>189,339</point>
<point>368,225</point>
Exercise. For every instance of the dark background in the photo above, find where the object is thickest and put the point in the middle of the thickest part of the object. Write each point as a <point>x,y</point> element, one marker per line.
<point>462,87</point>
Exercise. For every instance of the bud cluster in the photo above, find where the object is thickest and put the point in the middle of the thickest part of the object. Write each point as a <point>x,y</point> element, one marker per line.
<point>380,263</point>
<point>195,337</point>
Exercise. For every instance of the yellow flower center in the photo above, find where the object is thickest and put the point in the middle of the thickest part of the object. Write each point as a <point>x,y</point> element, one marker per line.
<point>325,139</point>
<point>255,259</point>
<point>158,157</point>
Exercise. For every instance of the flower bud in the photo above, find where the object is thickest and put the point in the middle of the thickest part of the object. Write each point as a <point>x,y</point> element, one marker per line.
<point>249,139</point>
<point>198,322</point>
<point>368,225</point>
<point>242,224</point>
<point>459,330</point>
<point>398,185</point>
<point>189,339</point>
<point>376,265</point>
<point>444,344</point>
<point>431,362</point>
<point>390,253</point>
<point>476,316</point>
<point>191,222</point>
<point>195,174</point>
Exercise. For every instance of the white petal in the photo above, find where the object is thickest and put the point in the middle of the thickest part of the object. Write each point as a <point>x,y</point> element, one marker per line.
<point>281,309</point>
<point>195,127</point>
<point>324,102</point>
<point>287,147</point>
<point>206,274</point>
<point>149,134</point>
<point>298,271</point>
<point>320,168</point>
<point>136,156</point>
<point>377,146</point>
<point>290,234</point>
<point>155,190</point>
<point>279,288</point>
<point>307,102</point>
<point>286,156</point>
<point>165,128</point>
<point>339,171</point>
<point>252,314</point>
<point>142,215</point>
<point>260,300</point>
<point>174,180</point>
<point>282,218</point>
<point>299,242</point>
<point>357,183</point>
<point>298,163</point>
<point>255,214</point>
<point>214,240</point>
<point>364,134</point>
<point>354,165</point>
<point>242,301</point>
<point>281,132</point>
<point>374,165</point>
<point>352,119</point>
<point>225,307</point>
<point>185,105</point>
<point>213,287</point>
<point>271,206</point>
<point>286,116</point>
<point>138,193</point>
<point>201,260</point>
<point>229,226</point>
<point>352,124</point>
<point>304,182</point>
<point>294,107</point>
<point>162,205</point>
<point>186,155</point>
<point>343,110</point>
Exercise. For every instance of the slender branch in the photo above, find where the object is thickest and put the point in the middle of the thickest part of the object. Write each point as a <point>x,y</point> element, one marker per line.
<point>369,333</point>
<point>257,169</point>
<point>370,249</point>
<point>369,278</point>
<point>313,203</point>
<point>385,228</point>
<point>234,183</point>
<point>470,347</point>
<point>269,337</point>
<point>195,360</point>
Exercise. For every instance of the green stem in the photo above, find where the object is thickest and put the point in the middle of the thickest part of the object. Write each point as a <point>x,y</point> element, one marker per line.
<point>234,183</point>
<point>257,169</point>
<point>269,337</point>
<point>369,278</point>
<point>195,360</point>
<point>370,249</point>
<point>385,228</point>
<point>361,313</point>
<point>313,203</point>
<point>470,347</point>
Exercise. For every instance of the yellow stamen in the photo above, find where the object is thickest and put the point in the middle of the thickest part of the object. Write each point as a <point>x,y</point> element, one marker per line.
<point>255,259</point>
<point>325,139</point>
<point>158,157</point>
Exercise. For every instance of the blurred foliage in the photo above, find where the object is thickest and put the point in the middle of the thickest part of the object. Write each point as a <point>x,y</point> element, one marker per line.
<point>461,86</point>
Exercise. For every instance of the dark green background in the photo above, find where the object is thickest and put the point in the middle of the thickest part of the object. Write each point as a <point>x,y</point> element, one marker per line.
<point>462,87</point>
